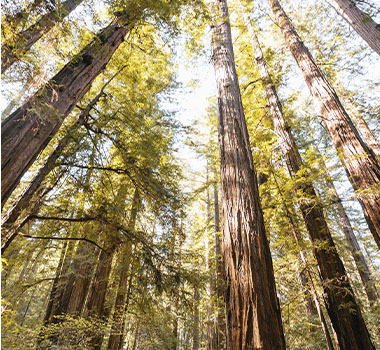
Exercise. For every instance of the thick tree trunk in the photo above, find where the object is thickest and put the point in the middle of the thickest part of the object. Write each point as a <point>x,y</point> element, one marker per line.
<point>360,21</point>
<point>360,261</point>
<point>27,131</point>
<point>13,51</point>
<point>253,313</point>
<point>344,312</point>
<point>358,159</point>
<point>118,319</point>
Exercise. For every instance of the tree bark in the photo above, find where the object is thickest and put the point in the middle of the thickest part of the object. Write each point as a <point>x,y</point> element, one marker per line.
<point>343,310</point>
<point>359,160</point>
<point>253,313</point>
<point>118,319</point>
<point>20,45</point>
<point>360,21</point>
<point>27,131</point>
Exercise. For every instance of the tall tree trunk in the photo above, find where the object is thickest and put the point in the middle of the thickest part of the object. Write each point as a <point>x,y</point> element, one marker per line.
<point>360,21</point>
<point>314,305</point>
<point>27,131</point>
<point>343,310</point>
<point>195,329</point>
<point>358,159</point>
<point>22,42</point>
<point>220,324</point>
<point>360,261</point>
<point>118,319</point>
<point>253,312</point>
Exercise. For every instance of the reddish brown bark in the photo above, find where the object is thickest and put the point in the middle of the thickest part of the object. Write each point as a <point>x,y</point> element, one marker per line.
<point>253,314</point>
<point>358,159</point>
<point>27,131</point>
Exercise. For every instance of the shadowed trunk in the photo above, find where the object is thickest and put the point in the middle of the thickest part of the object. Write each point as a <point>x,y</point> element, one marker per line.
<point>27,131</point>
<point>13,51</point>
<point>253,313</point>
<point>341,305</point>
<point>358,159</point>
<point>360,21</point>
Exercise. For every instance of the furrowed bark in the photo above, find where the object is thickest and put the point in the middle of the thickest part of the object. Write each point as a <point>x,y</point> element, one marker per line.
<point>253,313</point>
<point>360,21</point>
<point>358,159</point>
<point>27,131</point>
<point>341,305</point>
<point>13,51</point>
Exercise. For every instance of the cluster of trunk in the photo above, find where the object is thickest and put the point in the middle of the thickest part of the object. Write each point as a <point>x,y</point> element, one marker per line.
<point>359,161</point>
<point>81,285</point>
<point>341,305</point>
<point>253,315</point>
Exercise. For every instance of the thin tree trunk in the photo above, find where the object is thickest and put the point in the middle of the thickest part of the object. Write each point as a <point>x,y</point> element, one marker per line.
<point>358,159</point>
<point>195,329</point>
<point>360,261</point>
<point>344,312</point>
<point>360,21</point>
<point>306,277</point>
<point>27,131</point>
<point>120,303</point>
<point>22,42</point>
<point>220,324</point>
<point>253,312</point>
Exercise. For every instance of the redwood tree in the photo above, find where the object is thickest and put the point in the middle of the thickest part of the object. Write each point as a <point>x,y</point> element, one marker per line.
<point>253,314</point>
